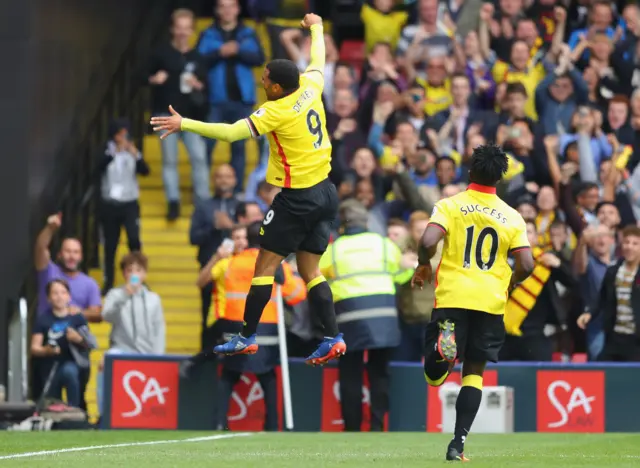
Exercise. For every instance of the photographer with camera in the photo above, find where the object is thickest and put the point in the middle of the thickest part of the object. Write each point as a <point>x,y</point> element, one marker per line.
<point>119,167</point>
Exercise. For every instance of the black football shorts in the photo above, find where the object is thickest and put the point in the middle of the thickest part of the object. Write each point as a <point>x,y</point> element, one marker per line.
<point>479,335</point>
<point>300,220</point>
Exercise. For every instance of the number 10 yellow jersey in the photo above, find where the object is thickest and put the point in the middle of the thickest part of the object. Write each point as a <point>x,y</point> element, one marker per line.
<point>480,232</point>
<point>295,125</point>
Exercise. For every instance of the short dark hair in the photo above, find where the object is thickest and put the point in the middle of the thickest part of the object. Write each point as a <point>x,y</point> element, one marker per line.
<point>488,164</point>
<point>238,227</point>
<point>57,281</point>
<point>516,88</point>
<point>397,222</point>
<point>285,73</point>
<point>253,234</point>
<point>531,222</point>
<point>442,159</point>
<point>241,208</point>
<point>585,187</point>
<point>558,224</point>
<point>605,203</point>
<point>631,230</point>
<point>134,258</point>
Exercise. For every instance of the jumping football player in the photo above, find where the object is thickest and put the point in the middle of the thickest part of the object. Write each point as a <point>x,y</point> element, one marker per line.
<point>302,214</point>
<point>471,283</point>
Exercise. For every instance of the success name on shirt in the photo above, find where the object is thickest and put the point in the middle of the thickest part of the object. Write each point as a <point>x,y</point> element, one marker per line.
<point>468,209</point>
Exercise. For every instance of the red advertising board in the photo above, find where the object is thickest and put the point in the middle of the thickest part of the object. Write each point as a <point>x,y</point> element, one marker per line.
<point>434,402</point>
<point>144,395</point>
<point>331,409</point>
<point>246,408</point>
<point>571,401</point>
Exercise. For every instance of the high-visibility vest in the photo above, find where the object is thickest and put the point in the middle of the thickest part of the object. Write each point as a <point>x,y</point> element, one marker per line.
<point>237,282</point>
<point>361,270</point>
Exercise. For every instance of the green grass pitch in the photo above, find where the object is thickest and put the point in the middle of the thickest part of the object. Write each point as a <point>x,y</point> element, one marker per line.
<point>142,449</point>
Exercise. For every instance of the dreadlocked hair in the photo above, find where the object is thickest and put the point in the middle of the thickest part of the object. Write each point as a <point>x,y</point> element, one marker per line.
<point>488,164</point>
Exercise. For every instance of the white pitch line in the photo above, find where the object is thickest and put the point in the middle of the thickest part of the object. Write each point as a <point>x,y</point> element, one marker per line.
<point>129,444</point>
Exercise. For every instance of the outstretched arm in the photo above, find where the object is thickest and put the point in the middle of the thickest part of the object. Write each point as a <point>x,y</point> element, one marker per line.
<point>218,131</point>
<point>226,132</point>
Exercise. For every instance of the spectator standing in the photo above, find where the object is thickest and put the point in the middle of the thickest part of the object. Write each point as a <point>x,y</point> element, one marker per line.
<point>619,303</point>
<point>85,293</point>
<point>415,305</point>
<point>600,18</point>
<point>591,259</point>
<point>230,50</point>
<point>211,222</point>
<point>56,332</point>
<point>135,314</point>
<point>364,293</point>
<point>558,96</point>
<point>177,75</point>
<point>119,190</point>
<point>535,303</point>
<point>428,38</point>
<point>382,23</point>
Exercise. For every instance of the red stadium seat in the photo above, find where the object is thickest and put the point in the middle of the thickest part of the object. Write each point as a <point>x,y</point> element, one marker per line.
<point>556,357</point>
<point>579,357</point>
<point>353,52</point>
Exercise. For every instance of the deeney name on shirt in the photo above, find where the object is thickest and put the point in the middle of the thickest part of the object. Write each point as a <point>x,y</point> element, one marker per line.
<point>305,96</point>
<point>468,209</point>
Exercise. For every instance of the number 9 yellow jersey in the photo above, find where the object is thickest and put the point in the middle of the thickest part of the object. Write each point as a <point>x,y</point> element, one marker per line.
<point>295,125</point>
<point>480,232</point>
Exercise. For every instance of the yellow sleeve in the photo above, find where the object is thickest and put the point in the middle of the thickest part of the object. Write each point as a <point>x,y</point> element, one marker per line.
<point>366,13</point>
<point>499,70</point>
<point>457,157</point>
<point>264,120</point>
<point>318,56</point>
<point>389,159</point>
<point>623,159</point>
<point>520,240</point>
<point>440,216</point>
<point>219,269</point>
<point>218,131</point>
<point>326,263</point>
<point>514,168</point>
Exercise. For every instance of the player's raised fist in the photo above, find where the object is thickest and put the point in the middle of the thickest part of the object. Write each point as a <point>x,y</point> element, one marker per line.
<point>309,20</point>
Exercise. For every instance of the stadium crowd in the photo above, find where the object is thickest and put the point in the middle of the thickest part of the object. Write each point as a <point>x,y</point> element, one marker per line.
<point>554,82</point>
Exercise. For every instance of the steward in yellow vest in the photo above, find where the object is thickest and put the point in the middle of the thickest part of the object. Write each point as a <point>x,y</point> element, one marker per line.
<point>361,268</point>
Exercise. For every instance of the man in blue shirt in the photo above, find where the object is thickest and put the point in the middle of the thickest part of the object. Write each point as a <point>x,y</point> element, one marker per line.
<point>600,18</point>
<point>230,50</point>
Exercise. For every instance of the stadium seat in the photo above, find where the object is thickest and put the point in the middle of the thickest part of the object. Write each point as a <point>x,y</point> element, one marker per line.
<point>579,357</point>
<point>353,52</point>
